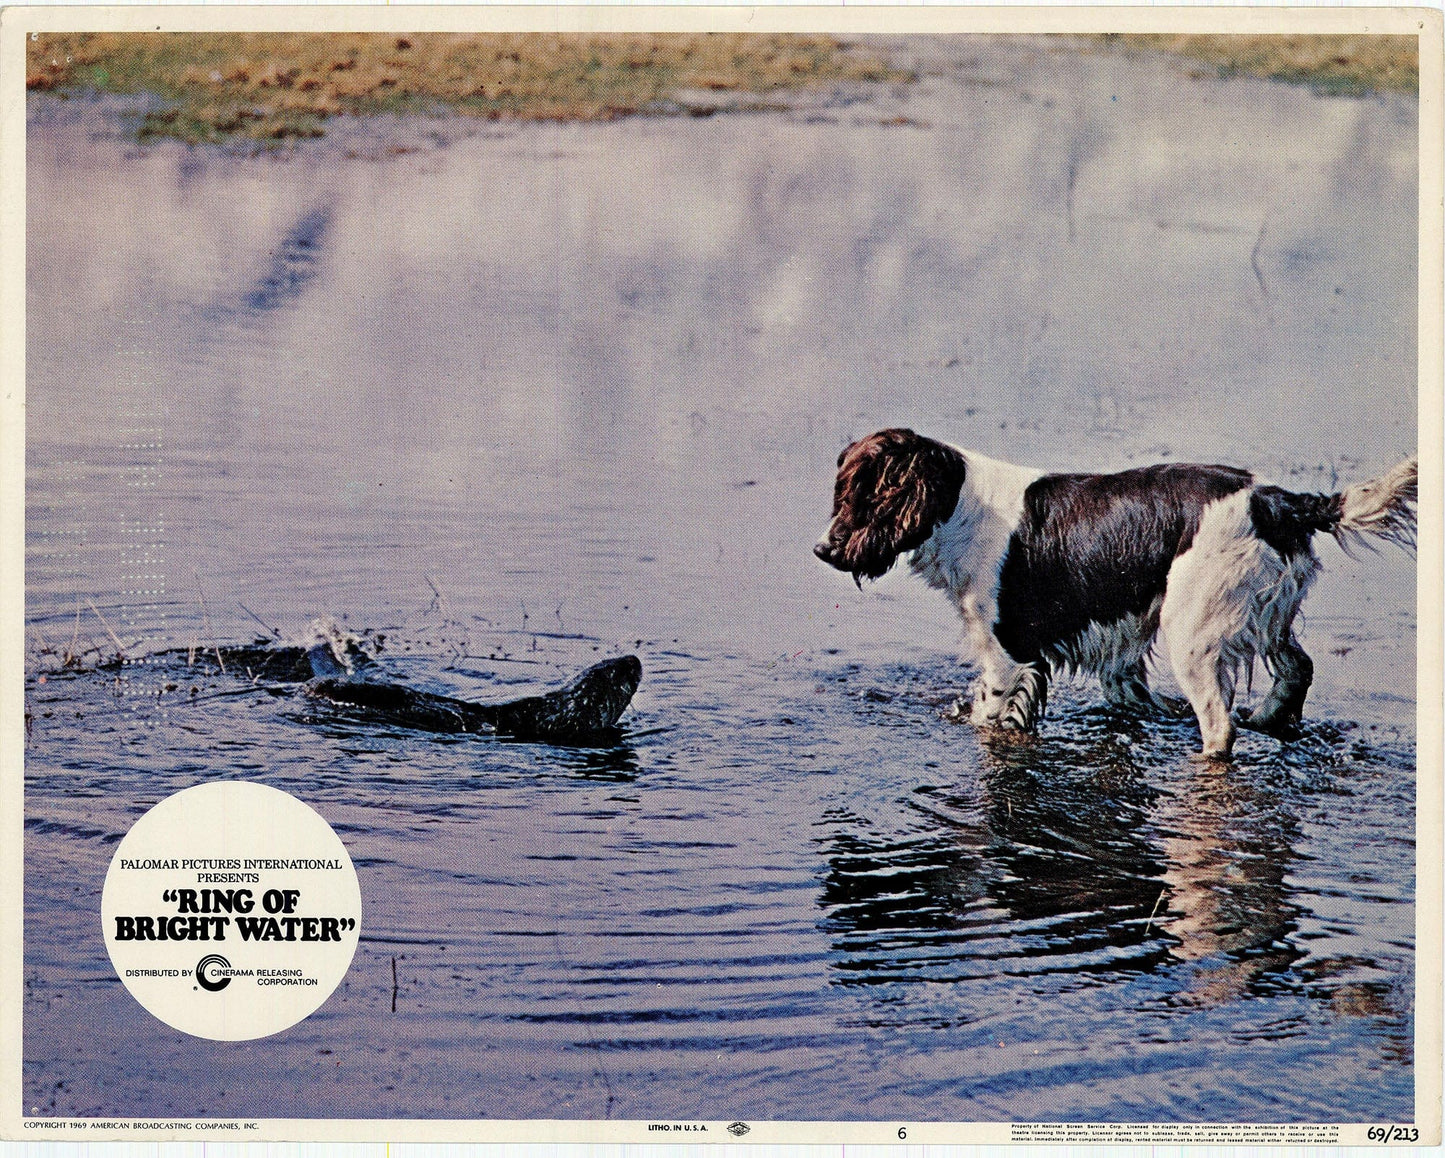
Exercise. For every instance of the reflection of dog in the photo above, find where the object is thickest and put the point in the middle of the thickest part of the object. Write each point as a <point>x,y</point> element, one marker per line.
<point>1081,571</point>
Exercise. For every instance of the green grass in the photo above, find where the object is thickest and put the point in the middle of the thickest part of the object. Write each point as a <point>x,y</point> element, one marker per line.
<point>272,86</point>
<point>1331,65</point>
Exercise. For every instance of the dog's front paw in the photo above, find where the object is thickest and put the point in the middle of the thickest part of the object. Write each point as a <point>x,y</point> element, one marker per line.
<point>984,707</point>
<point>1019,716</point>
<point>1026,700</point>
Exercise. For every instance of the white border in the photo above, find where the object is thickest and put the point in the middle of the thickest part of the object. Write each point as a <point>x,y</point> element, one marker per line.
<point>15,23</point>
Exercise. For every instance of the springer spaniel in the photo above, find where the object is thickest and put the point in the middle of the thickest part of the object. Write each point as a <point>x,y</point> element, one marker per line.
<point>1081,571</point>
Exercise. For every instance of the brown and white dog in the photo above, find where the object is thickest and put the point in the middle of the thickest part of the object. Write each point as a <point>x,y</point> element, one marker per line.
<point>1082,571</point>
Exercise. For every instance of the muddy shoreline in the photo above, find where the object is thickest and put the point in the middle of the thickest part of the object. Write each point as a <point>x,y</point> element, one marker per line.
<point>268,89</point>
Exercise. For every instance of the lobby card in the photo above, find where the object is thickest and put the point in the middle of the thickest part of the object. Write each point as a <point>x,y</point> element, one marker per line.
<point>770,575</point>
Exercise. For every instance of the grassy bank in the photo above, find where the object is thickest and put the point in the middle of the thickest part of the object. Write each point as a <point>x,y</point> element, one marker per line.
<point>1341,65</point>
<point>271,86</point>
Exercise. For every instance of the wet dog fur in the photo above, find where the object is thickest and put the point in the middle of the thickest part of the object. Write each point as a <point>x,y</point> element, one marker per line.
<point>1083,572</point>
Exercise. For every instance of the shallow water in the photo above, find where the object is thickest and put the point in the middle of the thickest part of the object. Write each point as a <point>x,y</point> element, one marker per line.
<point>523,397</point>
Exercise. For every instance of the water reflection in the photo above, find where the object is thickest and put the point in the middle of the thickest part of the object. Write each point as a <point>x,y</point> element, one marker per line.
<point>1227,839</point>
<point>606,755</point>
<point>293,263</point>
<point>611,758</point>
<point>1072,854</point>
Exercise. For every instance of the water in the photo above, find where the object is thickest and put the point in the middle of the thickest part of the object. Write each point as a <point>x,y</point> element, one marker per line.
<point>521,398</point>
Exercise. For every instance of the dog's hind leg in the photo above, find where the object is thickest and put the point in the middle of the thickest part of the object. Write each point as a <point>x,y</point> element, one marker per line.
<point>1209,686</point>
<point>1272,624</point>
<point>1204,620</point>
<point>1278,715</point>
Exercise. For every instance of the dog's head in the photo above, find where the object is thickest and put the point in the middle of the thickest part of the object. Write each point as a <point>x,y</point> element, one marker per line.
<point>893,489</point>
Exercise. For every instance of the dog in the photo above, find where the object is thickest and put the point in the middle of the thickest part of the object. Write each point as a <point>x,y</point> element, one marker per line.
<point>1081,572</point>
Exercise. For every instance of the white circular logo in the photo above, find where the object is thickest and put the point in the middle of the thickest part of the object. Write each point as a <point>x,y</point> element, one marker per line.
<point>231,910</point>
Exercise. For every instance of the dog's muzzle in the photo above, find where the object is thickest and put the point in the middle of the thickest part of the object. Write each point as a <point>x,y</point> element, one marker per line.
<point>833,556</point>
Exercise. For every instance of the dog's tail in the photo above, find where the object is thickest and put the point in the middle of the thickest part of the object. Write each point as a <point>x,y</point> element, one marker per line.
<point>1383,508</point>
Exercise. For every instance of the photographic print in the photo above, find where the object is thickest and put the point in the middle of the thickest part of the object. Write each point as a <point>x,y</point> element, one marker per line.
<point>837,570</point>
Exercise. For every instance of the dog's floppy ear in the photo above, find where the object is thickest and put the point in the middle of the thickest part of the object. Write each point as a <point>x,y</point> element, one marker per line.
<point>893,489</point>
